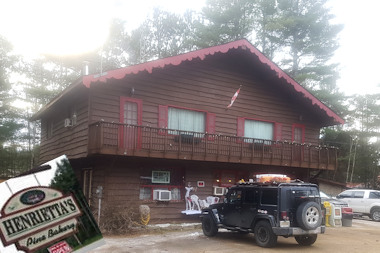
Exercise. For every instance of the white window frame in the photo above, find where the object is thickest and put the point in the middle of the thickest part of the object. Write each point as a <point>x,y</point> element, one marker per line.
<point>160,177</point>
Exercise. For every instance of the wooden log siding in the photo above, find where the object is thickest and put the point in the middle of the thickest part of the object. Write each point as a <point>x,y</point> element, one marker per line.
<point>106,138</point>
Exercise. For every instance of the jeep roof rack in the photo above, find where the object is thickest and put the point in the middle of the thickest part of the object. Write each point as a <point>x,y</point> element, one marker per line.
<point>271,182</point>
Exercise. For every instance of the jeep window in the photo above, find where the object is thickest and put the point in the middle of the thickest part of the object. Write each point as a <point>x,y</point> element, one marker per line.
<point>269,197</point>
<point>306,193</point>
<point>249,197</point>
<point>235,197</point>
<point>374,195</point>
<point>358,194</point>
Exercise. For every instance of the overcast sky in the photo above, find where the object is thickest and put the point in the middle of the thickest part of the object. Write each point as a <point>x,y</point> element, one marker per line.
<point>72,26</point>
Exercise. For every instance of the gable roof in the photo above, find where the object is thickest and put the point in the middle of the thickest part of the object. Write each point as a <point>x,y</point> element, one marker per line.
<point>201,54</point>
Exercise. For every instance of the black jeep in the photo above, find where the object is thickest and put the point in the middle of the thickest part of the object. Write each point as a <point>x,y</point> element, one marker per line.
<point>268,210</point>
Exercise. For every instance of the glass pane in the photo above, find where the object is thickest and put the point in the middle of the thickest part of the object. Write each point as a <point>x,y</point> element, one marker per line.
<point>161,177</point>
<point>298,135</point>
<point>186,120</point>
<point>258,129</point>
<point>145,193</point>
<point>130,113</point>
<point>176,194</point>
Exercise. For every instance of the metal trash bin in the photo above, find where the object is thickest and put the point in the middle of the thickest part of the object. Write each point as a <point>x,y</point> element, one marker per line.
<point>347,216</point>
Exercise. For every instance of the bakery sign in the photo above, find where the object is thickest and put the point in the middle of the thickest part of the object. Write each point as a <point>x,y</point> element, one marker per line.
<point>36,217</point>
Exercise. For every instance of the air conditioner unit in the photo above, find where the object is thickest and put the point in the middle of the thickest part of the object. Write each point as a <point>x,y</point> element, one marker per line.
<point>67,122</point>
<point>162,195</point>
<point>219,191</point>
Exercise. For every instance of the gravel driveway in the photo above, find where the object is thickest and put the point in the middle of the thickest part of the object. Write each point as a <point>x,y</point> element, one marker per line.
<point>363,236</point>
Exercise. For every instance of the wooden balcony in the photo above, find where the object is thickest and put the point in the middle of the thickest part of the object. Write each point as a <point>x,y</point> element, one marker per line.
<point>143,141</point>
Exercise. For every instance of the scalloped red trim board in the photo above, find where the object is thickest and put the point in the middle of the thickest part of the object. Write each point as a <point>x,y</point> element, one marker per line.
<point>201,54</point>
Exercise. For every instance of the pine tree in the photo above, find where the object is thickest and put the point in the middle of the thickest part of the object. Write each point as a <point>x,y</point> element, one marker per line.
<point>224,21</point>
<point>9,126</point>
<point>308,41</point>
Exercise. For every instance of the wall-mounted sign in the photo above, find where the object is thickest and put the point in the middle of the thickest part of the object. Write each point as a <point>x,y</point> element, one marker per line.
<point>42,210</point>
<point>201,183</point>
<point>36,216</point>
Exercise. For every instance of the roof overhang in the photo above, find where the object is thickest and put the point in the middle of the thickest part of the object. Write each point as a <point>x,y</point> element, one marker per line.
<point>69,90</point>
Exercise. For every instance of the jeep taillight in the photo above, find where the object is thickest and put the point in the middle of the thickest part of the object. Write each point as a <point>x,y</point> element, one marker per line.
<point>284,219</point>
<point>284,215</point>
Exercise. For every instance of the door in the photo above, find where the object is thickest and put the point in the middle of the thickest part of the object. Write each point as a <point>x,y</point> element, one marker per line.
<point>232,209</point>
<point>298,137</point>
<point>356,202</point>
<point>130,116</point>
<point>249,207</point>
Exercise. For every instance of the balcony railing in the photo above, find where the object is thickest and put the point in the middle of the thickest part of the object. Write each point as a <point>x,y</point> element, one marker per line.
<point>144,141</point>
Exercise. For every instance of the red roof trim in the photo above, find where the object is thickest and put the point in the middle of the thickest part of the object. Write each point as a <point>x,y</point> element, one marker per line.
<point>201,54</point>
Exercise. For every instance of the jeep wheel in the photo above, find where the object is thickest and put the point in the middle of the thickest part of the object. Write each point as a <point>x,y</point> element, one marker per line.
<point>375,214</point>
<point>306,240</point>
<point>309,215</point>
<point>208,226</point>
<point>264,235</point>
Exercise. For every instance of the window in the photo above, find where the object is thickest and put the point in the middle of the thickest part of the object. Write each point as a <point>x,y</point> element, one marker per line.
<point>235,197</point>
<point>161,177</point>
<point>345,194</point>
<point>269,197</point>
<point>258,129</point>
<point>250,197</point>
<point>170,179</point>
<point>374,195</point>
<point>358,194</point>
<point>130,111</point>
<point>185,119</point>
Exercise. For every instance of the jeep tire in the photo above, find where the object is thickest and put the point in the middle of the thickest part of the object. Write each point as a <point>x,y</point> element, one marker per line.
<point>309,215</point>
<point>306,240</point>
<point>264,235</point>
<point>208,226</point>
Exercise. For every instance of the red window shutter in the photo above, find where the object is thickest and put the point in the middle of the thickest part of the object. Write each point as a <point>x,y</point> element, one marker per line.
<point>240,127</point>
<point>278,131</point>
<point>210,125</point>
<point>162,116</point>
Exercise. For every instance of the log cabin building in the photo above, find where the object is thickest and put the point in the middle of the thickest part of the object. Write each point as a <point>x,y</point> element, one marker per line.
<point>157,126</point>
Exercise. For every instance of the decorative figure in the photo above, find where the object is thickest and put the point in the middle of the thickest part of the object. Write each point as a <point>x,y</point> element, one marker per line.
<point>212,200</point>
<point>192,200</point>
<point>187,196</point>
<point>203,203</point>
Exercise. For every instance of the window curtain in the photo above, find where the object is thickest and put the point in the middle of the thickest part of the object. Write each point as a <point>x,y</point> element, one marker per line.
<point>186,120</point>
<point>258,129</point>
